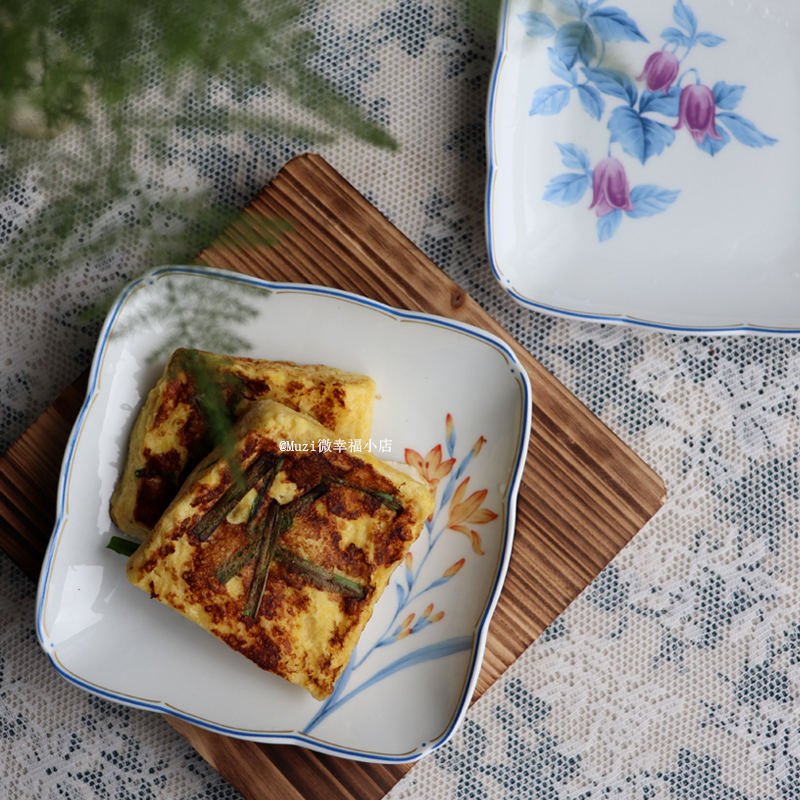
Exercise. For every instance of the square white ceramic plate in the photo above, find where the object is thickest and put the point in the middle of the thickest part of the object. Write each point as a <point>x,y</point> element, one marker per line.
<point>451,393</point>
<point>644,164</point>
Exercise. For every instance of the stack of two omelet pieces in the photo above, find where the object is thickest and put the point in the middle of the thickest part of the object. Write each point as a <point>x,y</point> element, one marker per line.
<point>281,542</point>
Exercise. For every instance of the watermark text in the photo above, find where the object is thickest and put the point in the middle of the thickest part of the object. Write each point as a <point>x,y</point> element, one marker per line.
<point>336,445</point>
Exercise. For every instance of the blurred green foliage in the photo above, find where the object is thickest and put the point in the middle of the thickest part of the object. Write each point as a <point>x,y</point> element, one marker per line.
<point>89,69</point>
<point>57,55</point>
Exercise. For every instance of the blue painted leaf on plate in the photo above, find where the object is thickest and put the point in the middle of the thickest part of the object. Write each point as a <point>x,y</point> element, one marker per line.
<point>639,136</point>
<point>560,69</point>
<point>613,82</point>
<point>614,25</point>
<point>727,96</point>
<point>713,146</point>
<point>685,17</point>
<point>607,224</point>
<point>537,24</point>
<point>573,8</point>
<point>676,37</point>
<point>648,199</point>
<point>574,157</point>
<point>744,130</point>
<point>429,652</point>
<point>658,102</point>
<point>567,189</point>
<point>591,100</point>
<point>550,100</point>
<point>708,39</point>
<point>575,42</point>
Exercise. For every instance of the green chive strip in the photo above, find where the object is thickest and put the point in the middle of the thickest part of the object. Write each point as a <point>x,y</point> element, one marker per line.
<point>269,538</point>
<point>288,511</point>
<point>319,576</point>
<point>261,501</point>
<point>265,466</point>
<point>125,547</point>
<point>389,500</point>
<point>255,528</point>
<point>235,563</point>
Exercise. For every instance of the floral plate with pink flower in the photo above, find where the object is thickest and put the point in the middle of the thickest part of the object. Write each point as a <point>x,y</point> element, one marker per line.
<point>644,162</point>
<point>453,402</point>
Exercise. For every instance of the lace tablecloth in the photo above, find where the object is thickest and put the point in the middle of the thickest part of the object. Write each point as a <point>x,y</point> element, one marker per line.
<point>676,674</point>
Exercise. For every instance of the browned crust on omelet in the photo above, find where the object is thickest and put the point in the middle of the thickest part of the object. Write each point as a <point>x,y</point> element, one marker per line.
<point>347,531</point>
<point>151,477</point>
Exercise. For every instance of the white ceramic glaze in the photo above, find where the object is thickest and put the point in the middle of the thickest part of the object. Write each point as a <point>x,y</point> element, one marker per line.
<point>445,391</point>
<point>705,239</point>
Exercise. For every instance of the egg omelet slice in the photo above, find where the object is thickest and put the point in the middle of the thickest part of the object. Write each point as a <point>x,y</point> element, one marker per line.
<point>171,434</point>
<point>283,552</point>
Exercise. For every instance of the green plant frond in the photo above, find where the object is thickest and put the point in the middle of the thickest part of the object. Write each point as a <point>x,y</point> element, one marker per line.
<point>196,319</point>
<point>193,317</point>
<point>54,54</point>
<point>85,66</point>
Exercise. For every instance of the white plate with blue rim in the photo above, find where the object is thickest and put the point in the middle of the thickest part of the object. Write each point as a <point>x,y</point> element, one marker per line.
<point>453,400</point>
<point>644,162</point>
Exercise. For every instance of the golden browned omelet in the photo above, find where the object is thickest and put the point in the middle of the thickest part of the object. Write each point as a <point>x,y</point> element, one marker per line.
<point>171,434</point>
<point>285,562</point>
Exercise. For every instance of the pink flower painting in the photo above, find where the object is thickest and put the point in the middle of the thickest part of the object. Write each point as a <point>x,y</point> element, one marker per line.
<point>660,71</point>
<point>635,124</point>
<point>611,189</point>
<point>697,111</point>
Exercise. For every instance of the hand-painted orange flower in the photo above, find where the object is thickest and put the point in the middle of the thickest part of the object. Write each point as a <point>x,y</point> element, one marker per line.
<point>466,512</point>
<point>476,448</point>
<point>405,627</point>
<point>428,614</point>
<point>454,569</point>
<point>449,426</point>
<point>432,468</point>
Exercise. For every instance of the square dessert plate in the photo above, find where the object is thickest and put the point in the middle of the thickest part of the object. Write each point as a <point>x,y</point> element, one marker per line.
<point>644,162</point>
<point>451,399</point>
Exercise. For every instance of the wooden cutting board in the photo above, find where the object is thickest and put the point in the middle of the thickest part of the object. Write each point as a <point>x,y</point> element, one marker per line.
<point>584,494</point>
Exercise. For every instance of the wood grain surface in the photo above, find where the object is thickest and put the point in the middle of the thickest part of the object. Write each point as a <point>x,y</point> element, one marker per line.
<point>584,494</point>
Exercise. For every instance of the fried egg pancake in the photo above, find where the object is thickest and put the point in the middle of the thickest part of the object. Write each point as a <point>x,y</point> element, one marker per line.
<point>330,524</point>
<point>171,434</point>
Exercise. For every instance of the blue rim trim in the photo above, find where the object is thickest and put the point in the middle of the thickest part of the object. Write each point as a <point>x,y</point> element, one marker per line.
<point>614,319</point>
<point>480,632</point>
